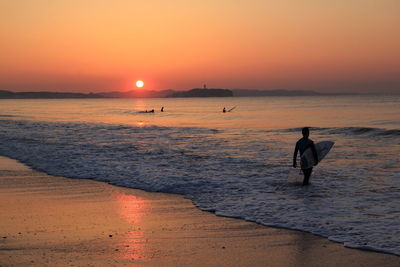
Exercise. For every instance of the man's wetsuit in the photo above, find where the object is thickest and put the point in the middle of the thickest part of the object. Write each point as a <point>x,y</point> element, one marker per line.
<point>302,144</point>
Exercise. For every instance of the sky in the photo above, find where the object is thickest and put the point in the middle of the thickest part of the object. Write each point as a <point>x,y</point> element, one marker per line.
<point>99,45</point>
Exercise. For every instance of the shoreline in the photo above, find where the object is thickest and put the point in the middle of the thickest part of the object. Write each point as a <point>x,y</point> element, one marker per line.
<point>57,221</point>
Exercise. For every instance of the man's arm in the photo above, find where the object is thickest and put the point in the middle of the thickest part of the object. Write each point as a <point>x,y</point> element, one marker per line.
<point>296,150</point>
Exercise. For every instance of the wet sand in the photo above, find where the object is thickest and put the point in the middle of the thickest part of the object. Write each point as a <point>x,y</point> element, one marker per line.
<point>56,221</point>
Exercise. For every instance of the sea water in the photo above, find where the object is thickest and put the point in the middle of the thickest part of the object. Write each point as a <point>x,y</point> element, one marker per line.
<point>236,164</point>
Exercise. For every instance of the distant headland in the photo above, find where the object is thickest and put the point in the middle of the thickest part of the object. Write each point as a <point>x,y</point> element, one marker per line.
<point>44,95</point>
<point>195,92</point>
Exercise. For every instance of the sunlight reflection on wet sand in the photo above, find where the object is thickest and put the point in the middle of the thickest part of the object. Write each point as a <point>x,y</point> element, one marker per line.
<point>132,209</point>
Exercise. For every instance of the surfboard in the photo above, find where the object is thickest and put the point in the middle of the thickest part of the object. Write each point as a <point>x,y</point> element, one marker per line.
<point>322,148</point>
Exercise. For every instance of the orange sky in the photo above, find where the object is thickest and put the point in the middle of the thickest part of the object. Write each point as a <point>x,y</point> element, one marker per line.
<point>99,45</point>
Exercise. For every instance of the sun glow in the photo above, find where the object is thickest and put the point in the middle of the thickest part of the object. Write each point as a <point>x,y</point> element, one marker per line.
<point>139,84</point>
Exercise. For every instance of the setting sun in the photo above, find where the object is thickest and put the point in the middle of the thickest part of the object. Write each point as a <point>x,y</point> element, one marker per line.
<point>139,84</point>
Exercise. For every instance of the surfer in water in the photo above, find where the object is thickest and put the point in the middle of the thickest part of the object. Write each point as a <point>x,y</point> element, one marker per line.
<point>302,144</point>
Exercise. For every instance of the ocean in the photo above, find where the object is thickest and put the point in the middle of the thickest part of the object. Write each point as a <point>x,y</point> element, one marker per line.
<point>236,164</point>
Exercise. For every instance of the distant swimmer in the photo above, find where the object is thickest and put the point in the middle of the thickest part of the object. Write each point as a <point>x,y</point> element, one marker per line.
<point>224,110</point>
<point>147,111</point>
<point>302,145</point>
<point>162,109</point>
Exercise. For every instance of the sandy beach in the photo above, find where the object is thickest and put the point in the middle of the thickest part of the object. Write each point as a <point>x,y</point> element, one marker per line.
<point>56,221</point>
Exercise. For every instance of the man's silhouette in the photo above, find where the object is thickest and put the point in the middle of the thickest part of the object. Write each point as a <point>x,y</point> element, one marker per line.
<point>302,144</point>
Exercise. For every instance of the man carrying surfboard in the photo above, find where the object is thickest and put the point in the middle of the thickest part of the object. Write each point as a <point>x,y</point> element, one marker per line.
<point>303,144</point>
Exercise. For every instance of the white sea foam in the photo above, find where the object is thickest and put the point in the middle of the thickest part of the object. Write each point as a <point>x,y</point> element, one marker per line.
<point>353,199</point>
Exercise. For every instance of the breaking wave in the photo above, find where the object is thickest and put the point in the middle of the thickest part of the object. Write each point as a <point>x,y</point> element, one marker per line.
<point>351,131</point>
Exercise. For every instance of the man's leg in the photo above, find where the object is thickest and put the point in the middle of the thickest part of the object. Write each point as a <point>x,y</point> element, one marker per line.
<point>307,174</point>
